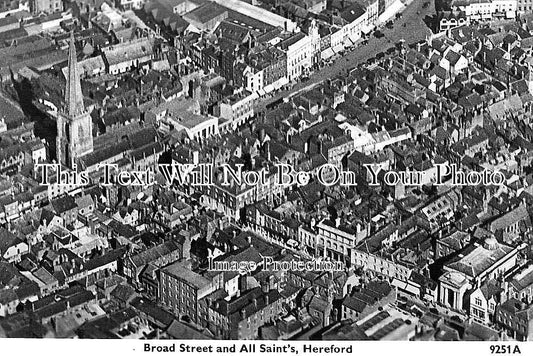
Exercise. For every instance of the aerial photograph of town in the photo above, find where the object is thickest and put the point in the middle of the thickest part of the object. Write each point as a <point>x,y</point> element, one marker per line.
<point>311,170</point>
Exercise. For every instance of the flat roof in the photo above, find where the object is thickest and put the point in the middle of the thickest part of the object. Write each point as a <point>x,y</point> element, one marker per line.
<point>180,270</point>
<point>190,120</point>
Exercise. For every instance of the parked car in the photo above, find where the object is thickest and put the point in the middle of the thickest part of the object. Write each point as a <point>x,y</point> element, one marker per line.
<point>292,243</point>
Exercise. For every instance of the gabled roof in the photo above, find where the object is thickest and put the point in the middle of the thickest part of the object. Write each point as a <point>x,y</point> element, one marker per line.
<point>510,218</point>
<point>452,57</point>
<point>154,253</point>
<point>63,204</point>
<point>178,330</point>
<point>123,292</point>
<point>7,239</point>
<point>84,201</point>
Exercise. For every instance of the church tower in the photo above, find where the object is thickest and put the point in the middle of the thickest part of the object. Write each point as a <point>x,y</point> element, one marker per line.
<point>74,124</point>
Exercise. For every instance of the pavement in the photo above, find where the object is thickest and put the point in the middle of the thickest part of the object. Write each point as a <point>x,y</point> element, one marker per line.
<point>415,30</point>
<point>445,312</point>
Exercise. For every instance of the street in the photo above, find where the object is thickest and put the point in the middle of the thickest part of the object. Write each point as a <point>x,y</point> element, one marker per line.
<point>414,31</point>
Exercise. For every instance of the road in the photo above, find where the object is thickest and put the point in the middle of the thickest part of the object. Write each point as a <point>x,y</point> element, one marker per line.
<point>414,31</point>
<point>276,242</point>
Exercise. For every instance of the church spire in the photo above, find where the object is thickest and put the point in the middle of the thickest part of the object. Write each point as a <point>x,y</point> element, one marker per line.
<point>73,96</point>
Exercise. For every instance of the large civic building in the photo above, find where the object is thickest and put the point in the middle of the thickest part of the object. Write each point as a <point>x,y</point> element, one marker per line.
<point>477,264</point>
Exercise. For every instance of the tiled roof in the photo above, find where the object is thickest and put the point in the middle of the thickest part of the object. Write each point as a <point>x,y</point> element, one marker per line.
<point>63,204</point>
<point>7,239</point>
<point>154,253</point>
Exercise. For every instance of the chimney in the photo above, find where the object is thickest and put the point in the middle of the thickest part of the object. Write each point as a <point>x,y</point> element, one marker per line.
<point>268,151</point>
<point>337,222</point>
<point>288,137</point>
<point>243,284</point>
<point>265,287</point>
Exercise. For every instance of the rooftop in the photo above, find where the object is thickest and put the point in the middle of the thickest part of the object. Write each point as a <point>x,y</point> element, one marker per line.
<point>481,258</point>
<point>182,271</point>
<point>205,13</point>
<point>128,51</point>
<point>258,13</point>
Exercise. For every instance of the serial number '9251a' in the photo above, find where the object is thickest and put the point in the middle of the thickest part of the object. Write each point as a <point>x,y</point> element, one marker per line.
<point>505,349</point>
